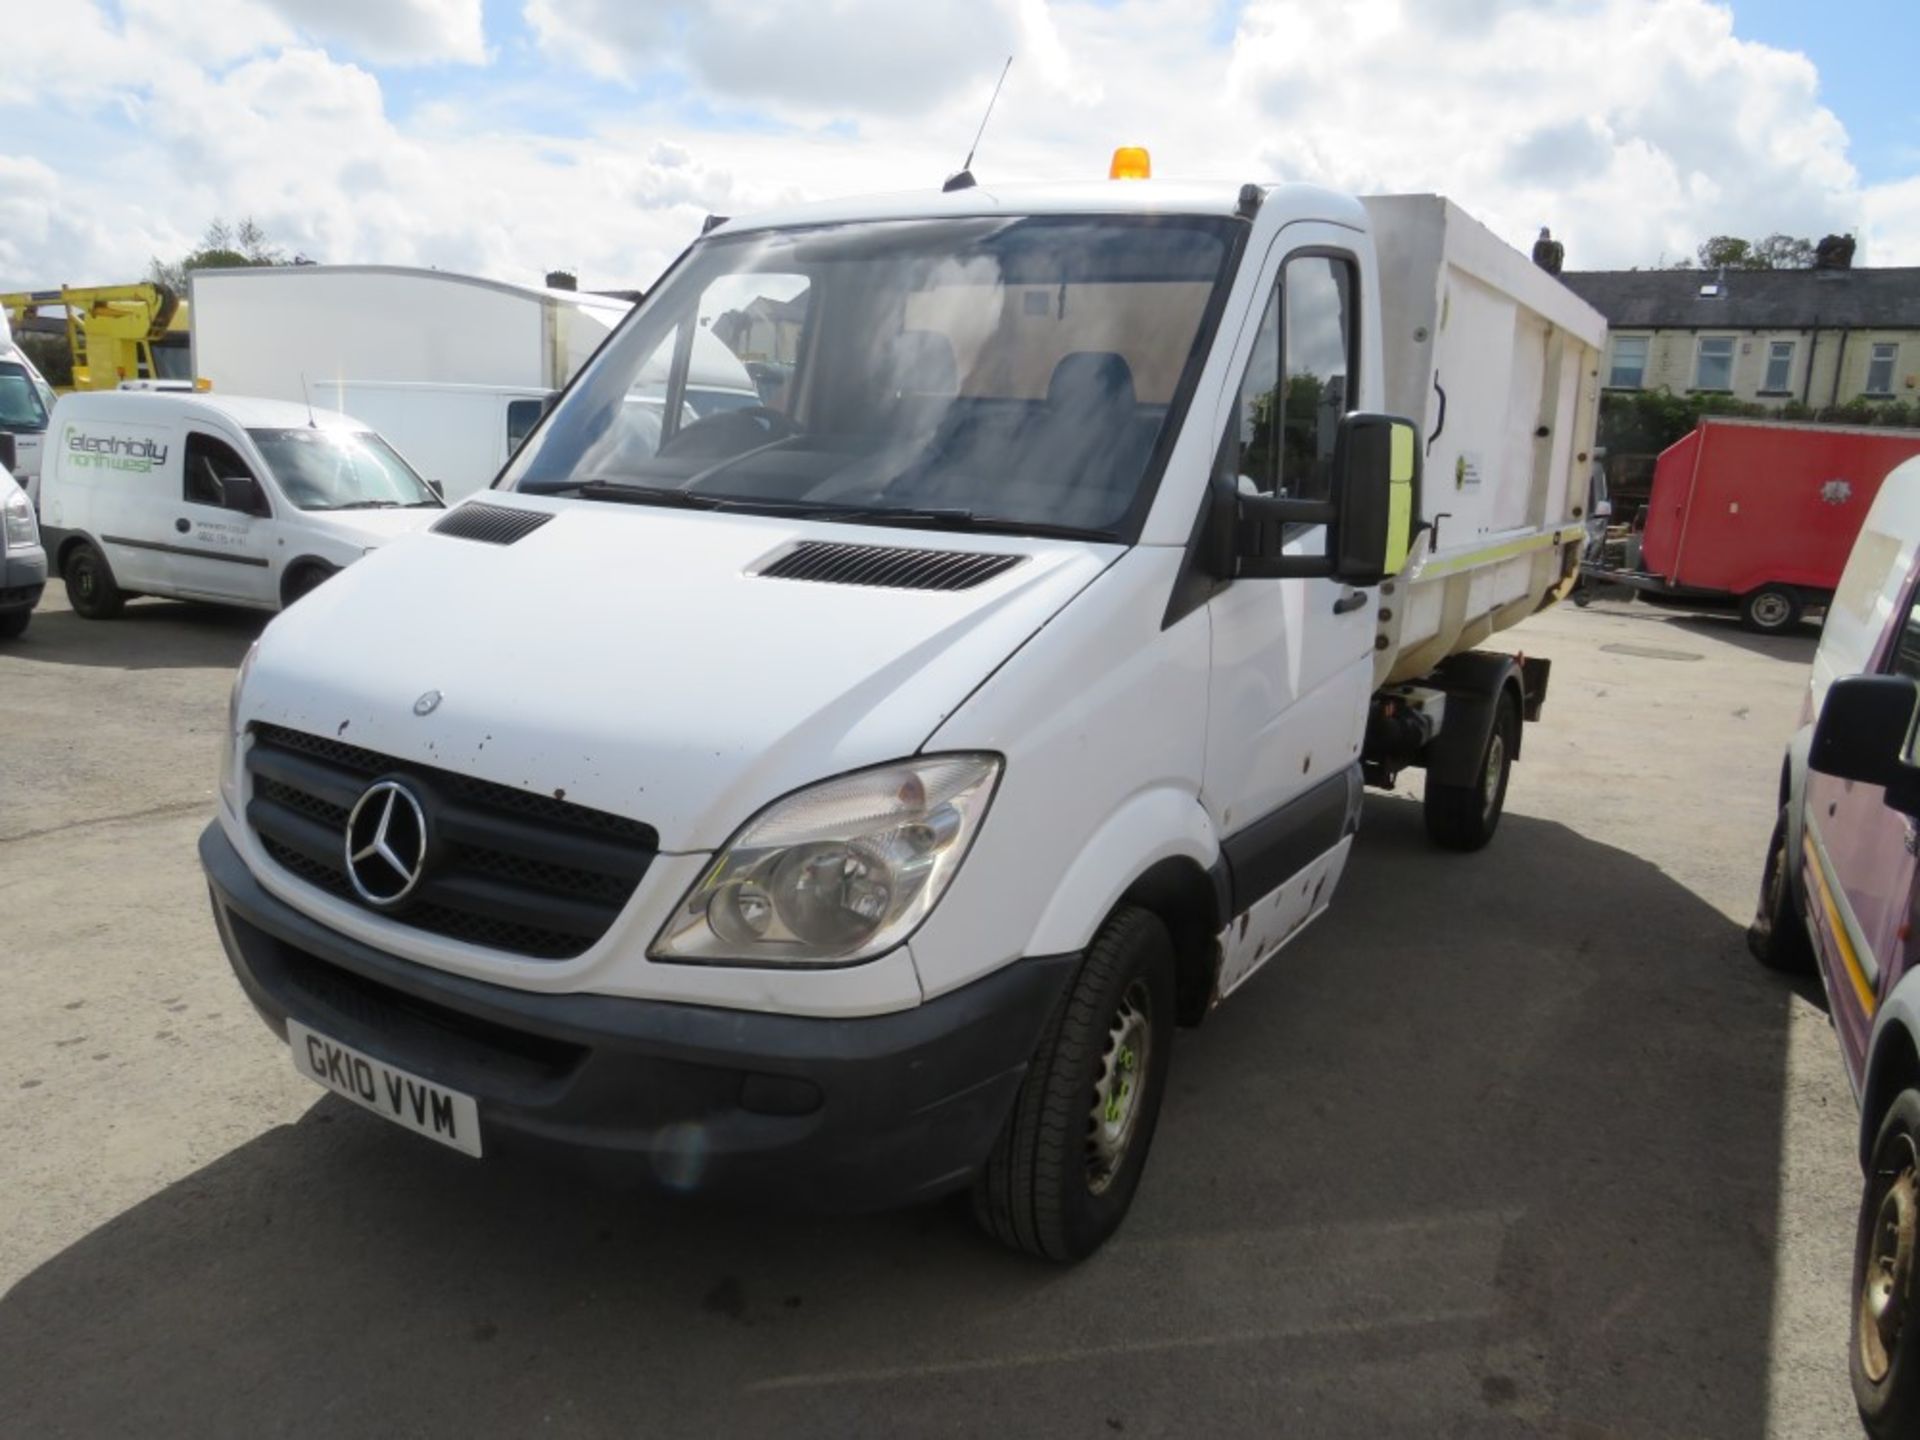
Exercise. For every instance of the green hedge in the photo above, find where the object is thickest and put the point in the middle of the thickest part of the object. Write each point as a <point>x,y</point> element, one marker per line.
<point>1645,422</point>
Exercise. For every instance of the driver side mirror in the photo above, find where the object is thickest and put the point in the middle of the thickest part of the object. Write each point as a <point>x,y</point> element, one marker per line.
<point>242,493</point>
<point>1863,734</point>
<point>1370,515</point>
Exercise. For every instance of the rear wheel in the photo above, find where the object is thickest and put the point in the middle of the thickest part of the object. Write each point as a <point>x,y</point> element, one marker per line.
<point>1778,936</point>
<point>1063,1173</point>
<point>1771,608</point>
<point>1464,817</point>
<point>90,586</point>
<point>1884,1355</point>
<point>13,623</point>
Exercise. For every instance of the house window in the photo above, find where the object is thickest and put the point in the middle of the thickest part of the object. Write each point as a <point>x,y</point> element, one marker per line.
<point>1629,369</point>
<point>1779,368</point>
<point>1713,366</point>
<point>1880,370</point>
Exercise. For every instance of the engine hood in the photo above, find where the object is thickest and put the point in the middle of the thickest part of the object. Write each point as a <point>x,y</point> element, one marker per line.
<point>370,528</point>
<point>632,659</point>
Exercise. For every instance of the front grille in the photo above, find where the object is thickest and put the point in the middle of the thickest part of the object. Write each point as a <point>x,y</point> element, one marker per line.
<point>510,869</point>
<point>890,566</point>
<point>492,524</point>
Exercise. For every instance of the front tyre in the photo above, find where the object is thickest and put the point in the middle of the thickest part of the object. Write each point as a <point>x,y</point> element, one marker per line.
<point>1884,1355</point>
<point>1464,817</point>
<point>91,590</point>
<point>1778,936</point>
<point>1063,1173</point>
<point>13,623</point>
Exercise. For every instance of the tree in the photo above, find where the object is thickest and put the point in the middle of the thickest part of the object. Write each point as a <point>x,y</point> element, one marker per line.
<point>1776,252</point>
<point>223,247</point>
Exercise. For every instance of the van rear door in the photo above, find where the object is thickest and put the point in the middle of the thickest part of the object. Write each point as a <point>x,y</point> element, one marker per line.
<point>122,477</point>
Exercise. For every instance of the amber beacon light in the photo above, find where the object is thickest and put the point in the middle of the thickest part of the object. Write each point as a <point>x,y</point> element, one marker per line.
<point>1131,162</point>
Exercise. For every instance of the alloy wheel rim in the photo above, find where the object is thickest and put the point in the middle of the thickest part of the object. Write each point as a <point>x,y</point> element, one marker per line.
<point>1119,1088</point>
<point>1887,1277</point>
<point>1496,763</point>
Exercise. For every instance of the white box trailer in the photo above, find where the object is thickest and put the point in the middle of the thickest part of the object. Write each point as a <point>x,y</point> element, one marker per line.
<point>1500,362</point>
<point>464,347</point>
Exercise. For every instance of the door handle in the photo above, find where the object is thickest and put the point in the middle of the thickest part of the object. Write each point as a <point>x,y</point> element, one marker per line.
<point>183,525</point>
<point>1352,600</point>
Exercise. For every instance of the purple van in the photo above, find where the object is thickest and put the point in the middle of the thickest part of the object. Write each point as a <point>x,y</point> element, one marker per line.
<point>1839,897</point>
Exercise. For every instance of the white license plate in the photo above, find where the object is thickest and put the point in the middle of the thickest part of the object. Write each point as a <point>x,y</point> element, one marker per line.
<point>423,1107</point>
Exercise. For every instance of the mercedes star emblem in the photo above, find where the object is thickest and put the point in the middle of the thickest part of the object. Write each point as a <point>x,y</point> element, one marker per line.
<point>386,844</point>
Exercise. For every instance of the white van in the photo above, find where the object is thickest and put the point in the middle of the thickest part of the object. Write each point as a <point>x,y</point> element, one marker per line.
<point>25,402</point>
<point>846,797</point>
<point>23,563</point>
<point>223,498</point>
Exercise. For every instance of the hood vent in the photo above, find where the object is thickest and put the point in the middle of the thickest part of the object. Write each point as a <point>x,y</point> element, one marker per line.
<point>492,524</point>
<point>889,566</point>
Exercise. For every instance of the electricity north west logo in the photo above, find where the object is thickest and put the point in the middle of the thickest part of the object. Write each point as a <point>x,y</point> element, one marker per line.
<point>112,452</point>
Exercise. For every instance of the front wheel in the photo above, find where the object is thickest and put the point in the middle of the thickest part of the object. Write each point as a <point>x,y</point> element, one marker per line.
<point>1063,1173</point>
<point>1778,937</point>
<point>1771,609</point>
<point>1884,1355</point>
<point>1464,817</point>
<point>90,586</point>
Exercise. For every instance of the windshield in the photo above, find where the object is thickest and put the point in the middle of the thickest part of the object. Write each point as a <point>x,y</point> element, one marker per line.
<point>21,404</point>
<point>1009,372</point>
<point>340,470</point>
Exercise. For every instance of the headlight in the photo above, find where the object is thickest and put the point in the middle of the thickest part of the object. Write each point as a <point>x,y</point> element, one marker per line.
<point>839,872</point>
<point>17,511</point>
<point>230,739</point>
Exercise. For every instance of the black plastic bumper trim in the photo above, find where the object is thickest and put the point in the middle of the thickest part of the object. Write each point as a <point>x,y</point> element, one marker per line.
<point>692,1097</point>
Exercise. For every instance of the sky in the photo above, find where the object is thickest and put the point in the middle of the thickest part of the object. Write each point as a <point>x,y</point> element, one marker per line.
<point>510,137</point>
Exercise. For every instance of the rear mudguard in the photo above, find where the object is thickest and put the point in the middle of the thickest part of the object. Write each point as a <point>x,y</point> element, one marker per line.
<point>1477,684</point>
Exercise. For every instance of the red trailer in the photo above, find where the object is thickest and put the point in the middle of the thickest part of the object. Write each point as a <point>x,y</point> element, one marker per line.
<point>1762,514</point>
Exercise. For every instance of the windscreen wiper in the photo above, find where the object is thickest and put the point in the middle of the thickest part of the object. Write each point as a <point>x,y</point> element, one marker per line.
<point>365,505</point>
<point>956,519</point>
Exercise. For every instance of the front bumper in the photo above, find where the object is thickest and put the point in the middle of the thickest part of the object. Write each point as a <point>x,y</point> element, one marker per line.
<point>837,1114</point>
<point>23,575</point>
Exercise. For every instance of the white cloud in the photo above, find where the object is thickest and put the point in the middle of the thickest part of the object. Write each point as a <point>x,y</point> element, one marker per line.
<point>880,57</point>
<point>1633,127</point>
<point>394,32</point>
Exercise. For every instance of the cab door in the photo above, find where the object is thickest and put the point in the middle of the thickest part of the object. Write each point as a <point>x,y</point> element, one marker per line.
<point>1292,659</point>
<point>224,531</point>
<point>1860,869</point>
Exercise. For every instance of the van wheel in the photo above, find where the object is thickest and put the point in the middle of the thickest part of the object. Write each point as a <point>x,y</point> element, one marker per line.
<point>1884,1354</point>
<point>1771,609</point>
<point>1778,936</point>
<point>1464,817</point>
<point>13,623</point>
<point>1063,1173</point>
<point>303,581</point>
<point>90,587</point>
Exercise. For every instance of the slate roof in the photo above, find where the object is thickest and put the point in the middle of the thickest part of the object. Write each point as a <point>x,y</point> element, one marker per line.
<point>1752,299</point>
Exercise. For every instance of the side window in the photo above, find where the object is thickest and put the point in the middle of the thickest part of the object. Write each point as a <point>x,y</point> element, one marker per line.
<point>1905,659</point>
<point>208,463</point>
<point>1318,349</point>
<point>1255,440</point>
<point>522,416</point>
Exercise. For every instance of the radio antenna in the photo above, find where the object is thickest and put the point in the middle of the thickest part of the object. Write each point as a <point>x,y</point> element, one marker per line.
<point>312,424</point>
<point>963,179</point>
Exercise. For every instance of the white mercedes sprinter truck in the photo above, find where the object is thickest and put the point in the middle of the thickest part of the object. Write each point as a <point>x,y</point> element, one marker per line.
<point>844,799</point>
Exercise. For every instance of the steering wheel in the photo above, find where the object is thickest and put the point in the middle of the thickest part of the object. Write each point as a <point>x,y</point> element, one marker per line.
<point>730,432</point>
<point>778,424</point>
